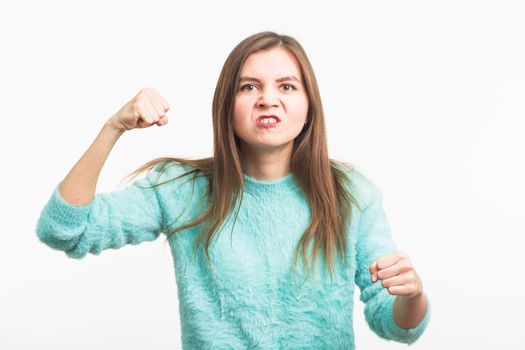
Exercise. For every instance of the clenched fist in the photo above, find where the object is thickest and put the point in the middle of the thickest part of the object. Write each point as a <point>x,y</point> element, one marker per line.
<point>397,274</point>
<point>142,111</point>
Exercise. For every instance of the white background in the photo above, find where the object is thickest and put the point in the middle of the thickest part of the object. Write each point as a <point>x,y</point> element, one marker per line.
<point>425,97</point>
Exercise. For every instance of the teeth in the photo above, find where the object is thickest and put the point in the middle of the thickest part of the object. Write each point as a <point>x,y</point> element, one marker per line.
<point>268,120</point>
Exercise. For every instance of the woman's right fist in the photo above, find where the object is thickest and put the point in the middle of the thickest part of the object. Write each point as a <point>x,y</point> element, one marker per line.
<point>142,111</point>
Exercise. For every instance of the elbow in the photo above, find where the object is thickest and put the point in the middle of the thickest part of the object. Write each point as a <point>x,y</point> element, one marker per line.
<point>55,237</point>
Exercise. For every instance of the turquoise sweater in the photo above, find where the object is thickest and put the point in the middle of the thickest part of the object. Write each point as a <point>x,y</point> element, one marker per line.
<point>248,301</point>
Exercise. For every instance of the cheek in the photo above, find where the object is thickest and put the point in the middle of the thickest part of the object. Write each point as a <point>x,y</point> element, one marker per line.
<point>241,115</point>
<point>237,111</point>
<point>241,107</point>
<point>299,106</point>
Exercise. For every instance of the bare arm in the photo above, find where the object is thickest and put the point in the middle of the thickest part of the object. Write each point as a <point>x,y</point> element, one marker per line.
<point>79,185</point>
<point>145,109</point>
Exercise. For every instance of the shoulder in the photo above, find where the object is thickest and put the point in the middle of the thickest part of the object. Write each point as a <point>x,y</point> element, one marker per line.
<point>178,185</point>
<point>363,188</point>
<point>181,174</point>
<point>167,177</point>
<point>172,171</point>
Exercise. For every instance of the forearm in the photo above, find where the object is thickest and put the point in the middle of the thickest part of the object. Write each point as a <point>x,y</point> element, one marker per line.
<point>79,185</point>
<point>409,312</point>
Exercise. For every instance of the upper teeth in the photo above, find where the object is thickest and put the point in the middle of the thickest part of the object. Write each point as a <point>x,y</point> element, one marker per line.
<point>268,120</point>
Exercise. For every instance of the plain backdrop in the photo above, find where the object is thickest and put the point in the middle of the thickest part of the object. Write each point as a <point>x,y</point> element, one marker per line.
<point>425,97</point>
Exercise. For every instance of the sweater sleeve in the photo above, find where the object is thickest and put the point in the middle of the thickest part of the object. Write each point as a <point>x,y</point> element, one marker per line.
<point>374,240</point>
<point>110,220</point>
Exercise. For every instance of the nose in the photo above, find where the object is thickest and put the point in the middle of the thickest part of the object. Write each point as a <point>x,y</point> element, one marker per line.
<point>267,99</point>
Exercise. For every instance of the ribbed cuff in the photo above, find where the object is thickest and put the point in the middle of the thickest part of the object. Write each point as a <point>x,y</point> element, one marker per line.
<point>64,213</point>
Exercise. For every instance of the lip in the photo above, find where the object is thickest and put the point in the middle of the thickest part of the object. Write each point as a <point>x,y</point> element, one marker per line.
<point>267,125</point>
<point>269,116</point>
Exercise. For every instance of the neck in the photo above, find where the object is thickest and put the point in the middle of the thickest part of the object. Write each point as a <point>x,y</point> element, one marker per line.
<point>266,165</point>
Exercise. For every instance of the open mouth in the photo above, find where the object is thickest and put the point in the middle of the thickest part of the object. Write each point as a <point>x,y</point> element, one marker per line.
<point>268,121</point>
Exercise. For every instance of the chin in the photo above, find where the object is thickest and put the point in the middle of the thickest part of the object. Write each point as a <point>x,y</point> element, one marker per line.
<point>272,145</point>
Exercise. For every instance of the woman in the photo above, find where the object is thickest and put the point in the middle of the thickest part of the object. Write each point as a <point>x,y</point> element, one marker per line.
<point>271,184</point>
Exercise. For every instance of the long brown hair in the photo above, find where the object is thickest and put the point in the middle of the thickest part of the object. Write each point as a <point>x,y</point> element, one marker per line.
<point>323,181</point>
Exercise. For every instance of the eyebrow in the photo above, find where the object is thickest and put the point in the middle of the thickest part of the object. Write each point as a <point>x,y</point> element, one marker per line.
<point>287,78</point>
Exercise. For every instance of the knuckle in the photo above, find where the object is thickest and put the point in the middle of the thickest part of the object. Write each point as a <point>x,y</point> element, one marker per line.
<point>406,268</point>
<point>150,91</point>
<point>136,104</point>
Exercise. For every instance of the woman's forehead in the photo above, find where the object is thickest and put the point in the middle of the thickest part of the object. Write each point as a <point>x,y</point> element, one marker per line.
<point>274,63</point>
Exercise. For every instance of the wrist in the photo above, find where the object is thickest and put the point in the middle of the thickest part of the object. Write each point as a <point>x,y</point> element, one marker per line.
<point>413,302</point>
<point>413,298</point>
<point>114,126</point>
<point>408,312</point>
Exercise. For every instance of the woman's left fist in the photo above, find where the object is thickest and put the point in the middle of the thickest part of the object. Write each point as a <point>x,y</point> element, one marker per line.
<point>397,274</point>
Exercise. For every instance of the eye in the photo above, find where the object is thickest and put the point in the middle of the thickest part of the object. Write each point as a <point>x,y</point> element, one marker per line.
<point>247,85</point>
<point>292,87</point>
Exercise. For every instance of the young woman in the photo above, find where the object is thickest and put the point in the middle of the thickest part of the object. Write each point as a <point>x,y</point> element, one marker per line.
<point>238,221</point>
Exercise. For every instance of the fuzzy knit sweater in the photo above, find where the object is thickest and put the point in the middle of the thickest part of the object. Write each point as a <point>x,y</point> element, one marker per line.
<point>248,298</point>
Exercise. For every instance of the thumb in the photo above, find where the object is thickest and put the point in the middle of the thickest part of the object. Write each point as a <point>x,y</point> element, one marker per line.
<point>162,121</point>
<point>373,270</point>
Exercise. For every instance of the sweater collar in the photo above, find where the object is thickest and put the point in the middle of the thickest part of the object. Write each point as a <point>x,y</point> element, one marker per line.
<point>282,185</point>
